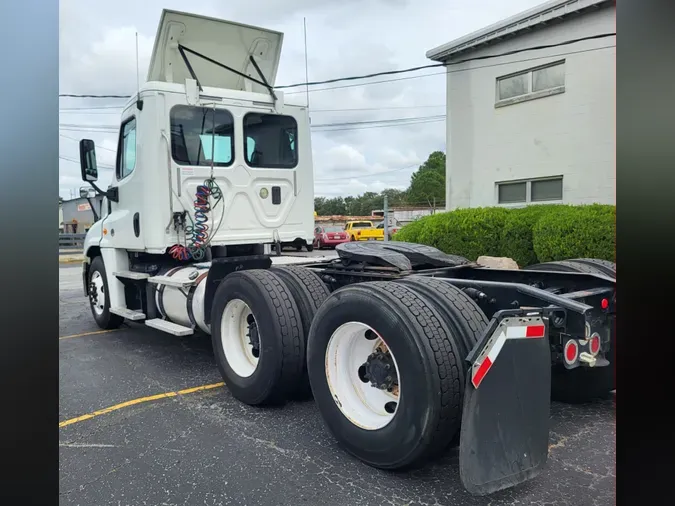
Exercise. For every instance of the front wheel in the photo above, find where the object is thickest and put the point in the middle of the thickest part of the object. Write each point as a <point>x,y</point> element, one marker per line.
<point>309,247</point>
<point>98,297</point>
<point>385,376</point>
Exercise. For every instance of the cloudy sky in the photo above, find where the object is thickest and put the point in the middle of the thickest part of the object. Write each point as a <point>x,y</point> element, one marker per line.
<point>347,37</point>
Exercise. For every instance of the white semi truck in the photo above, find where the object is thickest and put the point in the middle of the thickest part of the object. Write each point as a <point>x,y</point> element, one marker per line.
<point>399,344</point>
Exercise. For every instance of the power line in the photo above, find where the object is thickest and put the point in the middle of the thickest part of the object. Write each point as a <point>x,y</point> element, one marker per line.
<point>379,108</point>
<point>78,140</point>
<point>382,126</point>
<point>400,71</point>
<point>101,165</point>
<point>466,60</point>
<point>368,175</point>
<point>438,117</point>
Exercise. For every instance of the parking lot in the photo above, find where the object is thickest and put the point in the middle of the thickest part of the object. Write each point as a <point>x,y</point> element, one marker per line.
<point>145,420</point>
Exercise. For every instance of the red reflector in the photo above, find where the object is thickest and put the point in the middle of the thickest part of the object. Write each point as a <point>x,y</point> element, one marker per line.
<point>535,331</point>
<point>604,303</point>
<point>571,351</point>
<point>595,345</point>
<point>481,372</point>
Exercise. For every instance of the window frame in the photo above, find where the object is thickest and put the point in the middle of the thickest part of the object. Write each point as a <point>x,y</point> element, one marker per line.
<point>530,95</point>
<point>233,150</point>
<point>274,166</point>
<point>120,153</point>
<point>528,191</point>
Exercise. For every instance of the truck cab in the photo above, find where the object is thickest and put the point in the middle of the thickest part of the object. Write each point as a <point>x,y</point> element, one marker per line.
<point>207,112</point>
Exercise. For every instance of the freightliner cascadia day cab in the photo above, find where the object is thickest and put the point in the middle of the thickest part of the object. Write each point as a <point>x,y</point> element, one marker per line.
<point>399,344</point>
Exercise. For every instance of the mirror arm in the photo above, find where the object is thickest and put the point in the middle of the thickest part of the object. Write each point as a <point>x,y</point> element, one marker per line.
<point>93,209</point>
<point>111,194</point>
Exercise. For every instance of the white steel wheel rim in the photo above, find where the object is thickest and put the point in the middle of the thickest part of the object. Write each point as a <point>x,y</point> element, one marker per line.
<point>235,339</point>
<point>359,401</point>
<point>96,285</point>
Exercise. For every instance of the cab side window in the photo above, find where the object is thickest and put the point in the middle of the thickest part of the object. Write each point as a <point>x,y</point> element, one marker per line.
<point>126,150</point>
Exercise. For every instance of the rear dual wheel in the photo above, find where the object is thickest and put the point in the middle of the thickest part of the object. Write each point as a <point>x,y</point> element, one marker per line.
<point>386,373</point>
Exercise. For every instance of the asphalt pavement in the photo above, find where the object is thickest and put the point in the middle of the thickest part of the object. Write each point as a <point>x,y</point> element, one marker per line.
<point>204,447</point>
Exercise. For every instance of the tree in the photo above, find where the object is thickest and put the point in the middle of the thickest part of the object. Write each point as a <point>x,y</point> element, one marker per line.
<point>395,197</point>
<point>428,188</point>
<point>427,184</point>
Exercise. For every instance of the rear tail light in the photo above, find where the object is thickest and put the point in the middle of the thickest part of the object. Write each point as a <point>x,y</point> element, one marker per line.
<point>604,303</point>
<point>594,344</point>
<point>571,352</point>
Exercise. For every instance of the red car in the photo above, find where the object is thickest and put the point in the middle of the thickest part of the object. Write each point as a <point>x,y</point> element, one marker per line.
<point>329,237</point>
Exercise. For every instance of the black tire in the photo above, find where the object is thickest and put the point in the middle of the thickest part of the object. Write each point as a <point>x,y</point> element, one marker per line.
<point>298,246</point>
<point>567,266</point>
<point>583,384</point>
<point>309,293</point>
<point>461,315</point>
<point>106,320</point>
<point>309,247</point>
<point>427,359</point>
<point>605,266</point>
<point>282,341</point>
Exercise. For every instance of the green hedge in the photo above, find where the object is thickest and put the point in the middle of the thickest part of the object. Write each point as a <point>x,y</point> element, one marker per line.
<point>576,232</point>
<point>516,238</point>
<point>539,233</point>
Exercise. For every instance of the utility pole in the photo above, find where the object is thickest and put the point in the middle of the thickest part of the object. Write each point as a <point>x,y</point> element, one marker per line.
<point>386,219</point>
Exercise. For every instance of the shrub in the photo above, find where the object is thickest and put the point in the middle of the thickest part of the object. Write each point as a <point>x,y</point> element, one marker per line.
<point>516,238</point>
<point>409,232</point>
<point>466,232</point>
<point>576,232</point>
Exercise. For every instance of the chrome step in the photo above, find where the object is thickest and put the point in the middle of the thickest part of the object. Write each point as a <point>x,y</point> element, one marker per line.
<point>129,314</point>
<point>169,327</point>
<point>169,281</point>
<point>131,275</point>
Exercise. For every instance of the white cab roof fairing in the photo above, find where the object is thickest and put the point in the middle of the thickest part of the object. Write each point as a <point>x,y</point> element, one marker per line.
<point>224,41</point>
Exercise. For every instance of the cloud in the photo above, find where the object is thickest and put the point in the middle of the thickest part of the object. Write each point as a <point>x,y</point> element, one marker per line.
<point>97,55</point>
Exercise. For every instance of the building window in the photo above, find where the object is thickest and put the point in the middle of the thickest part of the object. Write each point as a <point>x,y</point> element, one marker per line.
<point>270,141</point>
<point>197,131</point>
<point>530,84</point>
<point>525,192</point>
<point>126,151</point>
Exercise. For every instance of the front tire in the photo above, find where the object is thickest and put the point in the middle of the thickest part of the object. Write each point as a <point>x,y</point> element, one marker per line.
<point>367,420</point>
<point>309,248</point>
<point>257,337</point>
<point>99,301</point>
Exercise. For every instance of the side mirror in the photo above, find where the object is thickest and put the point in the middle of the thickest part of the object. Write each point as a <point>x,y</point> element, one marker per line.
<point>87,193</point>
<point>88,167</point>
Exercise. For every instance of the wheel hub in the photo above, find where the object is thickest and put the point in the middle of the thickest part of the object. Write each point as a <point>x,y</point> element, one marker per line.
<point>379,370</point>
<point>254,337</point>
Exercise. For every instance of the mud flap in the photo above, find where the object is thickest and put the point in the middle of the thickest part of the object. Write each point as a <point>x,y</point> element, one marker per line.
<point>505,419</point>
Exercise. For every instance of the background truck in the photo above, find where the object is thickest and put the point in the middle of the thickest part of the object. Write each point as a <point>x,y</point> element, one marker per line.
<point>363,231</point>
<point>405,350</point>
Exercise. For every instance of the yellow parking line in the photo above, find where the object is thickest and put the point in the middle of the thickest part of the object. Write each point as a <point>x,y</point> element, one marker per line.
<point>89,333</point>
<point>138,401</point>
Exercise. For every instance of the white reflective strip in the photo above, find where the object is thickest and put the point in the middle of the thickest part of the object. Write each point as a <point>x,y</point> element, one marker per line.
<point>516,332</point>
<point>497,347</point>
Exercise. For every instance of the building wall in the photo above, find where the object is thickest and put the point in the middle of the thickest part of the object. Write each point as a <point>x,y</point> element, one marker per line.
<point>570,134</point>
<point>84,217</point>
